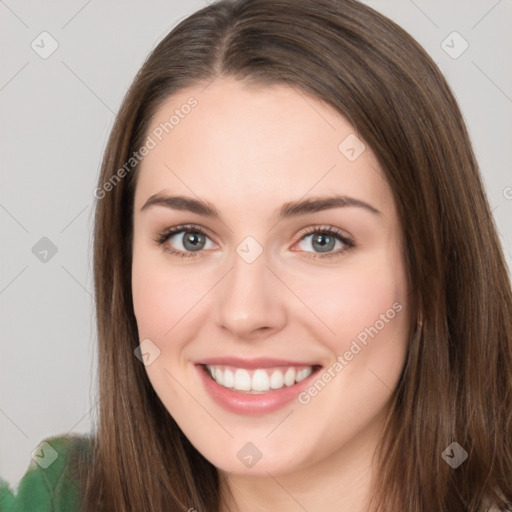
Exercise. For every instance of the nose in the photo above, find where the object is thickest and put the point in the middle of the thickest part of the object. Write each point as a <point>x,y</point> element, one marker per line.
<point>251,300</point>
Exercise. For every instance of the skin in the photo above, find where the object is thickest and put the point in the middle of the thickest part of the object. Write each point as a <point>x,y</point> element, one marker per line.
<point>248,150</point>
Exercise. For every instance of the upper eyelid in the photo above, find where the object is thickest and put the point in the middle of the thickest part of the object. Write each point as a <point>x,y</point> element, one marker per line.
<point>174,230</point>
<point>310,229</point>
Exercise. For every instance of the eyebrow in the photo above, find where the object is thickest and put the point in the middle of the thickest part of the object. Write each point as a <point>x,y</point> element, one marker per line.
<point>288,210</point>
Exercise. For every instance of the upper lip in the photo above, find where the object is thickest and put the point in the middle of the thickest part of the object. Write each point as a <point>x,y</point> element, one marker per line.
<point>260,362</point>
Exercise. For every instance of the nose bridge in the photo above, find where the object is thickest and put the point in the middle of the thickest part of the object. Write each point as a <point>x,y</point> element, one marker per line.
<point>249,298</point>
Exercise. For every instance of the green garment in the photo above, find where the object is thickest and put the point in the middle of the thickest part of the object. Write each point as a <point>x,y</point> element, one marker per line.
<point>50,483</point>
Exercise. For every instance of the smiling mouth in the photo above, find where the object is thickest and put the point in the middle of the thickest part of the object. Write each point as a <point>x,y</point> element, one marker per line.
<point>258,380</point>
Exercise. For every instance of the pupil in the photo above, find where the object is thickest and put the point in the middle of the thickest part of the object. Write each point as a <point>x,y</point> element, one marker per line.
<point>191,239</point>
<point>324,246</point>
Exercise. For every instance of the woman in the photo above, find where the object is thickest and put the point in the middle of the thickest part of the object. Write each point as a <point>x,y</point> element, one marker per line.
<point>302,301</point>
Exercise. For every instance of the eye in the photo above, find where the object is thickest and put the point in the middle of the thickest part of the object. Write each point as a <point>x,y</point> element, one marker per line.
<point>324,239</point>
<point>188,240</point>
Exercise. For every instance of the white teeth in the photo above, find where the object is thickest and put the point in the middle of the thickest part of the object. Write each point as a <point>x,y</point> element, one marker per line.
<point>289,377</point>
<point>277,380</point>
<point>229,379</point>
<point>219,376</point>
<point>242,380</point>
<point>260,380</point>
<point>303,374</point>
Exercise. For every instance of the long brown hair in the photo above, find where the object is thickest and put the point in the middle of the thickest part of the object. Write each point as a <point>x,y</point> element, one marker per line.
<point>456,384</point>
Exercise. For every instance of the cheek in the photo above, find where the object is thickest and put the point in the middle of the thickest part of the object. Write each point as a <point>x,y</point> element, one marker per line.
<point>160,296</point>
<point>158,314</point>
<point>365,301</point>
<point>155,301</point>
<point>168,302</point>
<point>154,294</point>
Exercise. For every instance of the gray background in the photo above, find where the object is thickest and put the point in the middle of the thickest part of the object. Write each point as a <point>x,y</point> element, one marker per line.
<point>56,114</point>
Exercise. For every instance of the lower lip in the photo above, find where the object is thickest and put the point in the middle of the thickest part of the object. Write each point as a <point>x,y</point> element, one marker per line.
<point>252,404</point>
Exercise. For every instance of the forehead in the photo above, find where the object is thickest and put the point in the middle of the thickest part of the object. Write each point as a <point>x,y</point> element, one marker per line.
<point>237,141</point>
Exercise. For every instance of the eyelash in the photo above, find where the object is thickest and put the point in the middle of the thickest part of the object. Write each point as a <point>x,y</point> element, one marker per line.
<point>163,236</point>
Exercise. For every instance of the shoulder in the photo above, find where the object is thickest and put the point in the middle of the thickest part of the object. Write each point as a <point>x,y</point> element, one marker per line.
<point>52,480</point>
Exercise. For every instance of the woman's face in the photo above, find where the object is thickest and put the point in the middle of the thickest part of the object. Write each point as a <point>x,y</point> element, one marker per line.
<point>262,294</point>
